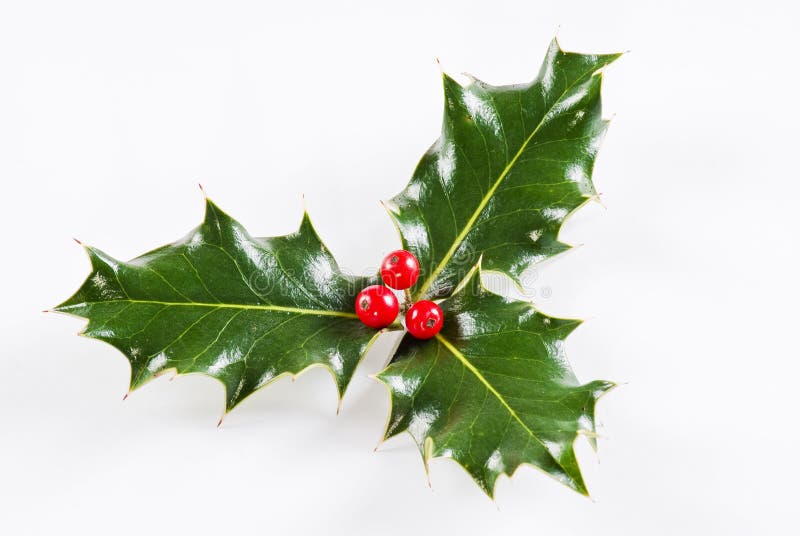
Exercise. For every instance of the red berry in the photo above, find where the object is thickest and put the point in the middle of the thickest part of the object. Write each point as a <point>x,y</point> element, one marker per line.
<point>424,319</point>
<point>400,269</point>
<point>377,306</point>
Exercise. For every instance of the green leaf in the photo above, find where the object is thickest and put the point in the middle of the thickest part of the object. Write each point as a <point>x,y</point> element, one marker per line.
<point>220,302</point>
<point>511,164</point>
<point>493,390</point>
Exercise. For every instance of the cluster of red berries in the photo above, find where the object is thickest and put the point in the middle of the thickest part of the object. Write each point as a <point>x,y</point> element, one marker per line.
<point>377,306</point>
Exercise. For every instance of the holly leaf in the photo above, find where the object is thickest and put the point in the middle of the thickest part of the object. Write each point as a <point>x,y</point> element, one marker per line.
<point>220,302</point>
<point>493,390</point>
<point>511,164</point>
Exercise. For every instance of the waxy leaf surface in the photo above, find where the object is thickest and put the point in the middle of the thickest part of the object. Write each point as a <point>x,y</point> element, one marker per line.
<point>241,309</point>
<point>511,164</point>
<point>493,390</point>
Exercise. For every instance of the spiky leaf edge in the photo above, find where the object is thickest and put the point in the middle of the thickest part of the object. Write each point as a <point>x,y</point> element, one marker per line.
<point>427,446</point>
<point>95,255</point>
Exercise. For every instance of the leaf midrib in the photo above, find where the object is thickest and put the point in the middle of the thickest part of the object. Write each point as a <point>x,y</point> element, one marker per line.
<point>277,308</point>
<point>469,366</point>
<point>490,193</point>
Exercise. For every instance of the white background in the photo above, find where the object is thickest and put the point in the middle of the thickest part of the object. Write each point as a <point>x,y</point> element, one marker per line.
<point>111,113</point>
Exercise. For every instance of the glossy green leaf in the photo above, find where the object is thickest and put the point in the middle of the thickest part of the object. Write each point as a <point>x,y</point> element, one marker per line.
<point>241,309</point>
<point>511,164</point>
<point>493,390</point>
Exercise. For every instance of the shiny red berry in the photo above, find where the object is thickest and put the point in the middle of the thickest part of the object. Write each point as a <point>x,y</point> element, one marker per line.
<point>424,319</point>
<point>377,306</point>
<point>400,269</point>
